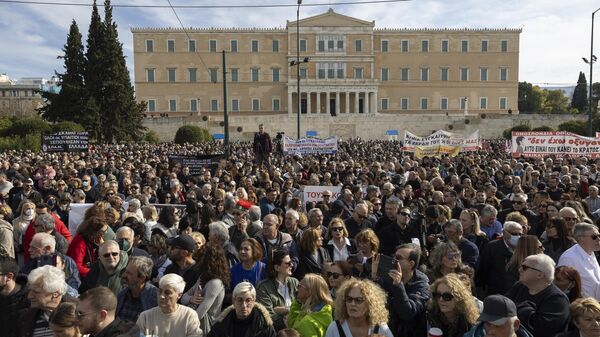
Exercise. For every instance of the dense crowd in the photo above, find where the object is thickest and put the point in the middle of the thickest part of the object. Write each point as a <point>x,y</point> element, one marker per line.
<point>473,245</point>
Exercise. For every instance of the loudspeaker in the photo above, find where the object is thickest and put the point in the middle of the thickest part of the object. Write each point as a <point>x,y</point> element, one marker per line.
<point>240,129</point>
<point>221,123</point>
<point>204,118</point>
<point>483,116</point>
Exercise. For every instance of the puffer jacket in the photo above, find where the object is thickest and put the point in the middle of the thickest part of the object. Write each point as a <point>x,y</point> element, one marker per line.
<point>261,325</point>
<point>6,239</point>
<point>479,331</point>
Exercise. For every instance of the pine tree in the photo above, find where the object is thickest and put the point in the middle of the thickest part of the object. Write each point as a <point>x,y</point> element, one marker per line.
<point>68,104</point>
<point>94,73</point>
<point>122,116</point>
<point>580,97</point>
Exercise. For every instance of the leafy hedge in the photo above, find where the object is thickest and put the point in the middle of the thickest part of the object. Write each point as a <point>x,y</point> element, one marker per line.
<point>508,132</point>
<point>192,134</point>
<point>25,133</point>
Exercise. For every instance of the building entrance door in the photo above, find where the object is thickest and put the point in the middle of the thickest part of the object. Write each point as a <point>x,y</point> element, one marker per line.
<point>332,106</point>
<point>360,106</point>
<point>303,105</point>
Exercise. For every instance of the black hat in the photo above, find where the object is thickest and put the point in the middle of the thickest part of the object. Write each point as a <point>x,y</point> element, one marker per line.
<point>497,309</point>
<point>183,241</point>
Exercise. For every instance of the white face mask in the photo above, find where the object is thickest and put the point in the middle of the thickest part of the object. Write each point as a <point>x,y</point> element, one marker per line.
<point>28,212</point>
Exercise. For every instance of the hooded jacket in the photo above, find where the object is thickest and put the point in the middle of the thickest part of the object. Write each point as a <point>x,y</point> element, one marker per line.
<point>260,326</point>
<point>312,324</point>
<point>99,277</point>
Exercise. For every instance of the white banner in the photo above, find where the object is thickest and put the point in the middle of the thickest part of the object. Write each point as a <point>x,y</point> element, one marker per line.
<point>310,145</point>
<point>315,193</point>
<point>442,138</point>
<point>558,143</point>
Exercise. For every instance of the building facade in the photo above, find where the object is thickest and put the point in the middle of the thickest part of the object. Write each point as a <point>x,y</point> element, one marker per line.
<point>20,98</point>
<point>353,68</point>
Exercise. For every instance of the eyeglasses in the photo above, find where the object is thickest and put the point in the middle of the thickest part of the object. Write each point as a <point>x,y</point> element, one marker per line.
<point>404,213</point>
<point>452,256</point>
<point>242,301</point>
<point>113,254</point>
<point>355,300</point>
<point>569,218</point>
<point>518,202</point>
<point>524,267</point>
<point>593,236</point>
<point>361,216</point>
<point>447,297</point>
<point>337,229</point>
<point>335,275</point>
<point>80,314</point>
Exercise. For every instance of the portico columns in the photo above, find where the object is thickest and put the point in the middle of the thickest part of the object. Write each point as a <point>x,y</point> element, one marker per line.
<point>347,94</point>
<point>327,105</point>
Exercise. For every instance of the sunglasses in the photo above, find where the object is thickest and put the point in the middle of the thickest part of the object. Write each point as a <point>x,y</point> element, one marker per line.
<point>355,300</point>
<point>525,267</point>
<point>107,255</point>
<point>444,296</point>
<point>593,236</point>
<point>337,229</point>
<point>335,275</point>
<point>404,213</point>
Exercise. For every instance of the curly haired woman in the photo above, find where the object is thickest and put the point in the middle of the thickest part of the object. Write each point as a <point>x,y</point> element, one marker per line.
<point>451,307</point>
<point>360,310</point>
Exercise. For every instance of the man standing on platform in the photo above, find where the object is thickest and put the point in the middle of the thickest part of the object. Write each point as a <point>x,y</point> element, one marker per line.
<point>262,146</point>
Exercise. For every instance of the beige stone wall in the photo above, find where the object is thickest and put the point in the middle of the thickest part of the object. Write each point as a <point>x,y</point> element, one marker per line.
<point>367,127</point>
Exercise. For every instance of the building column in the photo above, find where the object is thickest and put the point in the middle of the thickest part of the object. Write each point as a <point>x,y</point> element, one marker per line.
<point>376,102</point>
<point>308,108</point>
<point>366,102</point>
<point>327,106</point>
<point>337,103</point>
<point>290,103</point>
<point>356,94</point>
<point>347,93</point>
<point>318,102</point>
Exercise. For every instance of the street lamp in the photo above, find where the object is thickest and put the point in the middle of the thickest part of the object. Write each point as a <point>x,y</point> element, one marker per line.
<point>591,63</point>
<point>297,64</point>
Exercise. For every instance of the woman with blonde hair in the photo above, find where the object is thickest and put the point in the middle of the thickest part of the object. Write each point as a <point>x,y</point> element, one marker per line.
<point>20,224</point>
<point>451,307</point>
<point>469,219</point>
<point>360,310</point>
<point>585,314</point>
<point>339,246</point>
<point>311,311</point>
<point>150,220</point>
<point>527,245</point>
<point>368,244</point>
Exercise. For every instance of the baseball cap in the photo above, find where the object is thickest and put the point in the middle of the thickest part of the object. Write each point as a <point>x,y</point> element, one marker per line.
<point>497,309</point>
<point>183,241</point>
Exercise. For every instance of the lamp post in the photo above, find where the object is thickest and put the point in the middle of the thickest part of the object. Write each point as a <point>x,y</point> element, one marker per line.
<point>297,63</point>
<point>591,63</point>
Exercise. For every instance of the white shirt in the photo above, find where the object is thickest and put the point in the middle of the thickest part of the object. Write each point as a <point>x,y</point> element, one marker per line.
<point>586,265</point>
<point>340,254</point>
<point>332,330</point>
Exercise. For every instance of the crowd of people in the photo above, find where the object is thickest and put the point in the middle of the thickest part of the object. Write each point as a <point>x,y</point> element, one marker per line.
<point>480,244</point>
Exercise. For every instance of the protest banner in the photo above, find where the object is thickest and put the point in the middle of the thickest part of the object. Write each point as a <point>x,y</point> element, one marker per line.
<point>466,143</point>
<point>309,145</point>
<point>557,143</point>
<point>436,151</point>
<point>315,193</point>
<point>66,141</point>
<point>196,163</point>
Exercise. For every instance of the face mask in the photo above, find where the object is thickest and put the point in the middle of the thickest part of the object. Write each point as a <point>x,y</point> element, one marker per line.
<point>85,184</point>
<point>51,203</point>
<point>28,212</point>
<point>124,245</point>
<point>514,239</point>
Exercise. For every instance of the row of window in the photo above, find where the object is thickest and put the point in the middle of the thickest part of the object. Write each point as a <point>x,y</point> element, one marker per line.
<point>18,93</point>
<point>214,105</point>
<point>276,104</point>
<point>334,43</point>
<point>213,74</point>
<point>464,74</point>
<point>329,70</point>
<point>424,103</point>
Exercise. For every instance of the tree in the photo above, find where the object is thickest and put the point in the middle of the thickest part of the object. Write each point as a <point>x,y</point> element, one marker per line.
<point>507,134</point>
<point>595,96</point>
<point>580,95</point>
<point>578,127</point>
<point>192,134</point>
<point>121,116</point>
<point>555,102</point>
<point>530,97</point>
<point>68,104</point>
<point>94,74</point>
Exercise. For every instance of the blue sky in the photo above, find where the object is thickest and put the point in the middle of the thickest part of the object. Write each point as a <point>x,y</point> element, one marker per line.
<point>556,34</point>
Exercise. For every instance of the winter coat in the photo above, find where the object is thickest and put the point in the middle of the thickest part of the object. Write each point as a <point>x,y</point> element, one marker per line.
<point>98,276</point>
<point>260,326</point>
<point>6,239</point>
<point>307,263</point>
<point>268,295</point>
<point>313,324</point>
<point>479,331</point>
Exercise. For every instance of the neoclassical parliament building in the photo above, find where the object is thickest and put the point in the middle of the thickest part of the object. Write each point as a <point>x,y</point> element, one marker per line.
<point>352,68</point>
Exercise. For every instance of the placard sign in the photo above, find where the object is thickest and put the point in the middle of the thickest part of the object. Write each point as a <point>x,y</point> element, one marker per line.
<point>196,163</point>
<point>557,143</point>
<point>442,138</point>
<point>315,193</point>
<point>66,141</point>
<point>309,145</point>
